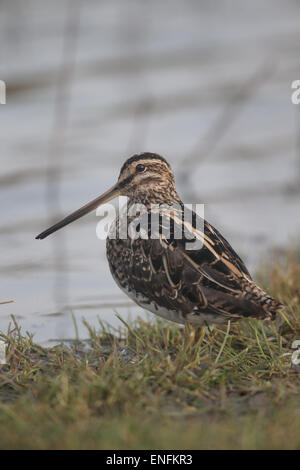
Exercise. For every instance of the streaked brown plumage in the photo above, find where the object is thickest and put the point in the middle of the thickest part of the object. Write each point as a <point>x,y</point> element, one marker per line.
<point>203,286</point>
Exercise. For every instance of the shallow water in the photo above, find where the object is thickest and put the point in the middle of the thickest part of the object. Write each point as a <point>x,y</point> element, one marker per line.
<point>206,85</point>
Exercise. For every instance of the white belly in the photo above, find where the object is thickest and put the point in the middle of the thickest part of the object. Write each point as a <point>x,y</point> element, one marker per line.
<point>196,319</point>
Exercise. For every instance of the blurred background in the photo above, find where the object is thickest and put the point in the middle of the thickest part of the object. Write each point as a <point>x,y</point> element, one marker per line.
<point>207,84</point>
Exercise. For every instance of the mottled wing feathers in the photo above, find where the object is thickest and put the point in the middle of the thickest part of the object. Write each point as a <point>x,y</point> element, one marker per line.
<point>206,285</point>
<point>225,249</point>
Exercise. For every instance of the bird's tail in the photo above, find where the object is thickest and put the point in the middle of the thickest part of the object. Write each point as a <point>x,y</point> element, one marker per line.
<point>269,305</point>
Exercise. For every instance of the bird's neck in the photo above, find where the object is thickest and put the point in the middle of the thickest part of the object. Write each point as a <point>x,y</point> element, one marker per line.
<point>156,195</point>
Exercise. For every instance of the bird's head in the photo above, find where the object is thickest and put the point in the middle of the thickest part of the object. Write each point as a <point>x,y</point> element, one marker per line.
<point>145,178</point>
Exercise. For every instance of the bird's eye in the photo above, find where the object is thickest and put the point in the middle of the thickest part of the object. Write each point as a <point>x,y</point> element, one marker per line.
<point>140,168</point>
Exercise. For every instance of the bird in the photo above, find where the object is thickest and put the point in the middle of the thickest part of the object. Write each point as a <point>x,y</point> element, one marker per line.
<point>207,285</point>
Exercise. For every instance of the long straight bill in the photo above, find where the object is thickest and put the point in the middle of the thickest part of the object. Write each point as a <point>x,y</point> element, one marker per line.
<point>89,207</point>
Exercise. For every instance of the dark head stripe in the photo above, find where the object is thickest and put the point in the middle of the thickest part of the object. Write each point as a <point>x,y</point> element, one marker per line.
<point>143,156</point>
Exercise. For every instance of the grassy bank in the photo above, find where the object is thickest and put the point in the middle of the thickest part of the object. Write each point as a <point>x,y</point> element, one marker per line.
<point>160,386</point>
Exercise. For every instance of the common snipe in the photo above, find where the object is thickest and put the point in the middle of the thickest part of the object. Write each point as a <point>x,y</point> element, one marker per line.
<point>203,286</point>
